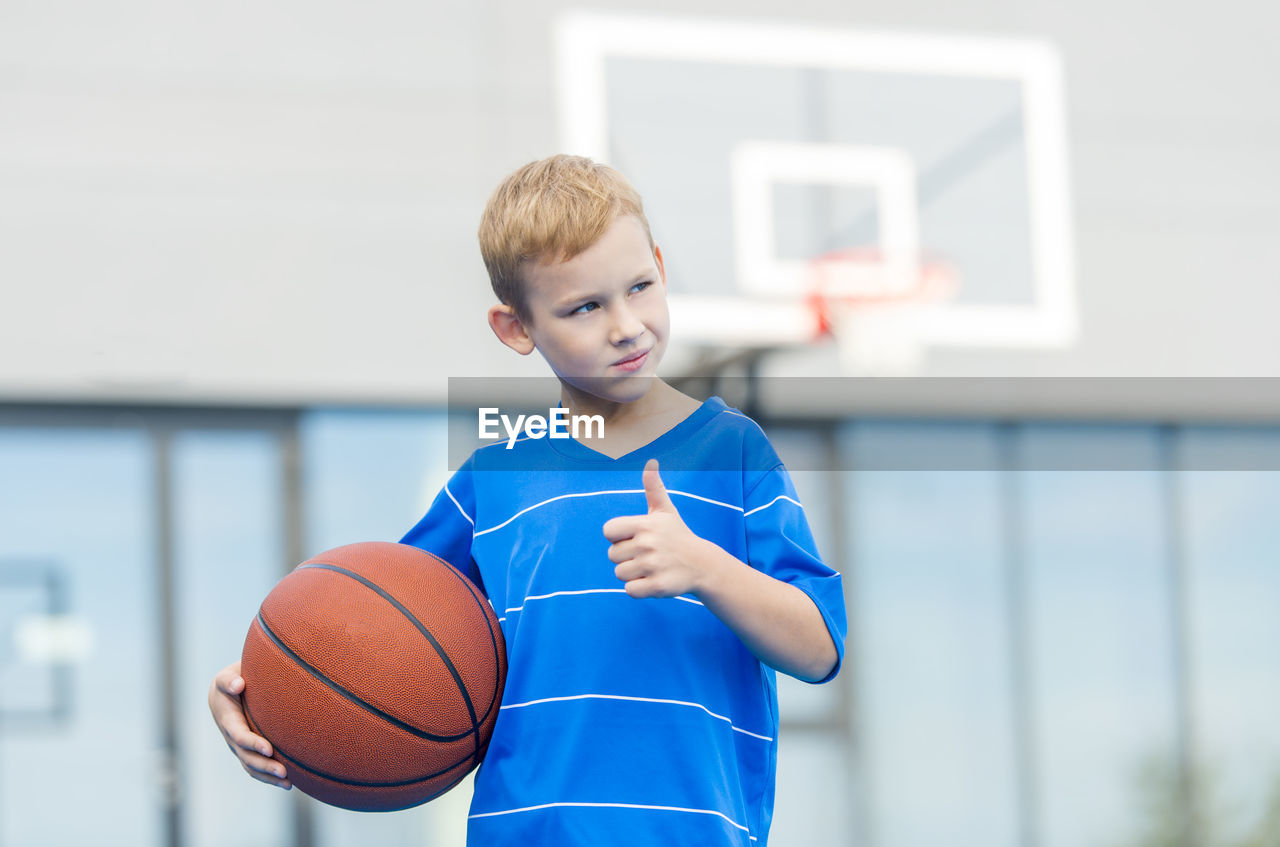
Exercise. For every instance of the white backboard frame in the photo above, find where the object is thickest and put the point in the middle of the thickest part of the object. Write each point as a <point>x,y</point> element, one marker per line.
<point>585,40</point>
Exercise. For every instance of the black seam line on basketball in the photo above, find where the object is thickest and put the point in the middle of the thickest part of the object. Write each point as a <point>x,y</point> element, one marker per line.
<point>280,751</point>
<point>426,633</point>
<point>493,641</point>
<point>466,763</point>
<point>338,689</point>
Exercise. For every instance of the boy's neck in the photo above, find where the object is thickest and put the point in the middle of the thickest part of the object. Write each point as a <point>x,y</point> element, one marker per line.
<point>630,426</point>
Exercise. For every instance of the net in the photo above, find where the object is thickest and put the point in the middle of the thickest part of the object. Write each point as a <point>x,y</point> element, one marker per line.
<point>872,303</point>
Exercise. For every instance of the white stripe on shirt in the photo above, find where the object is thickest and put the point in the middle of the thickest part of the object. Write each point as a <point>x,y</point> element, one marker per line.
<point>633,700</point>
<point>722,815</point>
<point>520,608</point>
<point>459,505</point>
<point>566,594</point>
<point>705,500</point>
<point>770,503</point>
<point>481,532</point>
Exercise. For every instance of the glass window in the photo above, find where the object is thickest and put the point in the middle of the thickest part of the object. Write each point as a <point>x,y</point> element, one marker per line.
<point>930,642</point>
<point>1100,639</point>
<point>1231,499</point>
<point>229,552</point>
<point>369,476</point>
<point>812,805</point>
<point>80,502</point>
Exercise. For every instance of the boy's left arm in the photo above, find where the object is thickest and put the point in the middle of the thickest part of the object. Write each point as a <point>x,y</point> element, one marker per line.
<point>657,555</point>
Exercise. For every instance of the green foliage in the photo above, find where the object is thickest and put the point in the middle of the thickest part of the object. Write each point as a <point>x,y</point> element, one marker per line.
<point>1180,810</point>
<point>1267,831</point>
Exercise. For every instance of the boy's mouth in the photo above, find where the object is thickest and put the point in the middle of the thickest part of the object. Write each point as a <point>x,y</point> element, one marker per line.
<point>634,362</point>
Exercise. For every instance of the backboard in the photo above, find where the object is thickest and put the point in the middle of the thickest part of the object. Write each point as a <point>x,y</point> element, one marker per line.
<point>758,147</point>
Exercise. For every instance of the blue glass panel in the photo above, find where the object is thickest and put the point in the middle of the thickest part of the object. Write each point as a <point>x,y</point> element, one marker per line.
<point>812,805</point>
<point>229,527</point>
<point>1232,536</point>
<point>930,641</point>
<point>1101,645</point>
<point>369,475</point>
<point>82,502</point>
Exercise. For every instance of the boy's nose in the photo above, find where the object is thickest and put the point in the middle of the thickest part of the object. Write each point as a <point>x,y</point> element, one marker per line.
<point>627,326</point>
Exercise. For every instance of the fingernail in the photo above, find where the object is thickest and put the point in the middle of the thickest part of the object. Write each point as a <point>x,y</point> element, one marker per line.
<point>264,749</point>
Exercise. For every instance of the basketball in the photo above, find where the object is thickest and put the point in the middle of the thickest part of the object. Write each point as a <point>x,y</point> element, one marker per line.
<point>375,670</point>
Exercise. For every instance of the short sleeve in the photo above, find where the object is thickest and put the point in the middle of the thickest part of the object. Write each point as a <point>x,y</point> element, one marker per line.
<point>780,543</point>
<point>448,526</point>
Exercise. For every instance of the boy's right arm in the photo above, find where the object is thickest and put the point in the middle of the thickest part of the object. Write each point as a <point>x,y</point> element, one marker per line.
<point>252,750</point>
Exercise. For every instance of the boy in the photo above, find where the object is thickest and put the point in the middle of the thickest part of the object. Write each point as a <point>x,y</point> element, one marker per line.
<point>644,612</point>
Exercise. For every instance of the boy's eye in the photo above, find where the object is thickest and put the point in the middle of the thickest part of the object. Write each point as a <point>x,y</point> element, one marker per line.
<point>592,305</point>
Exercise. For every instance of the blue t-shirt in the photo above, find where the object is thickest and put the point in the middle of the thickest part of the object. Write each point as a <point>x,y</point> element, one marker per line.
<point>625,721</point>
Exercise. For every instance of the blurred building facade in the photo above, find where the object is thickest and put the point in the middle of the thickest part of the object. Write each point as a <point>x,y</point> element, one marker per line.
<point>238,267</point>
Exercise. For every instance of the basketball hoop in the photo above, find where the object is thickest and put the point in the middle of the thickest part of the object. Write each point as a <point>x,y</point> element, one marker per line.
<point>871,302</point>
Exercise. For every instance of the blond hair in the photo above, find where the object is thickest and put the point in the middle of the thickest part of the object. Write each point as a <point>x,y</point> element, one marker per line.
<point>550,210</point>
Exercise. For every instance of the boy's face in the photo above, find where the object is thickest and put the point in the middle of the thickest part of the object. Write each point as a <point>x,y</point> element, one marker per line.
<point>600,319</point>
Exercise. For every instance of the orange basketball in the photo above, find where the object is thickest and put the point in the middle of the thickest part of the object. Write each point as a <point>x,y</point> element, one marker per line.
<point>375,670</point>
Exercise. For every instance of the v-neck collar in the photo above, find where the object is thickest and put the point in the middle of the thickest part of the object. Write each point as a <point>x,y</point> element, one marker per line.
<point>573,449</point>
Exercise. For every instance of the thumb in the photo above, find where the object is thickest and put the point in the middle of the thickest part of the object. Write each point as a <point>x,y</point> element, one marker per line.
<point>655,493</point>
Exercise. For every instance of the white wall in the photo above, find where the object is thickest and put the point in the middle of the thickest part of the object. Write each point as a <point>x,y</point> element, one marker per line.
<point>276,201</point>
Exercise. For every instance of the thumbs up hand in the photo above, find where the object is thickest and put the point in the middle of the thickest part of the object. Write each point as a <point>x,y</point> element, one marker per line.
<point>655,493</point>
<point>655,553</point>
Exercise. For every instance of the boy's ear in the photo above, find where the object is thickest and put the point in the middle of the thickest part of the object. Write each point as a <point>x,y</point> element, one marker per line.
<point>662,269</point>
<point>510,329</point>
